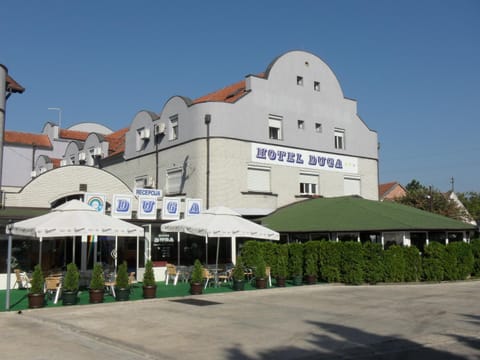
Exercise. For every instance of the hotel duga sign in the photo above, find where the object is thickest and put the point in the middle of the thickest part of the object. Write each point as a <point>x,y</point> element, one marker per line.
<point>122,206</point>
<point>278,155</point>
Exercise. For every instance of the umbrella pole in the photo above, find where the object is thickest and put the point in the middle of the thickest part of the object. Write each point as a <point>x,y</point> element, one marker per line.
<point>73,250</point>
<point>40,253</point>
<point>9,269</point>
<point>178,249</point>
<point>216,262</point>
<point>206,250</point>
<point>116,252</point>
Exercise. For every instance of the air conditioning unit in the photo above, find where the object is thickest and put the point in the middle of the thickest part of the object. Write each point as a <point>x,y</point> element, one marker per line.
<point>33,174</point>
<point>149,181</point>
<point>159,129</point>
<point>82,156</point>
<point>145,134</point>
<point>97,151</point>
<point>63,162</point>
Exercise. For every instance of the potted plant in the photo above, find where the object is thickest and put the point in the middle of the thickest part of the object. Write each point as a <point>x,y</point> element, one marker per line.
<point>311,261</point>
<point>36,297</point>
<point>295,262</point>
<point>260,273</point>
<point>70,285</point>
<point>97,284</point>
<point>196,280</point>
<point>238,275</point>
<point>122,287</point>
<point>149,284</point>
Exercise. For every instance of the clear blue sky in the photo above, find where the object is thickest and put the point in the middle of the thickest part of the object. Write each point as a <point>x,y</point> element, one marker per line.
<point>413,66</point>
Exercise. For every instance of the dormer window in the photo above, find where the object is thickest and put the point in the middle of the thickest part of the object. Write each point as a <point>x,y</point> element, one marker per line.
<point>300,80</point>
<point>316,85</point>
<point>173,127</point>
<point>339,138</point>
<point>275,127</point>
<point>301,124</point>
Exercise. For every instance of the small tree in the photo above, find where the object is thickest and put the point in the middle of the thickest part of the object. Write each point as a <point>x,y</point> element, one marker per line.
<point>197,273</point>
<point>394,264</point>
<point>122,276</point>
<point>149,275</point>
<point>37,281</point>
<point>72,278</point>
<point>310,254</point>
<point>238,272</point>
<point>475,247</point>
<point>413,263</point>
<point>295,259</point>
<point>352,263</point>
<point>97,282</point>
<point>329,259</point>
<point>374,267</point>
<point>433,262</point>
<point>260,271</point>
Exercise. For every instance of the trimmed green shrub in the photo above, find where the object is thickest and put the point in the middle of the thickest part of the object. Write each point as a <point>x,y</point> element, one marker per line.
<point>268,251</point>
<point>310,254</point>
<point>97,282</point>
<point>463,258</point>
<point>197,272</point>
<point>413,263</point>
<point>374,270</point>
<point>260,271</point>
<point>352,263</point>
<point>238,272</point>
<point>249,252</point>
<point>449,262</point>
<point>72,278</point>
<point>37,281</point>
<point>149,275</point>
<point>295,259</point>
<point>329,258</point>
<point>122,276</point>
<point>432,263</point>
<point>395,265</point>
<point>475,247</point>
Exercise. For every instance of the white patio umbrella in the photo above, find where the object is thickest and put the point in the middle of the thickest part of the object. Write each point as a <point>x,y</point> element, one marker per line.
<point>73,218</point>
<point>220,222</point>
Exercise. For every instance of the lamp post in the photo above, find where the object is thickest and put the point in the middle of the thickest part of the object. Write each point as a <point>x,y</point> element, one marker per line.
<point>208,120</point>
<point>59,115</point>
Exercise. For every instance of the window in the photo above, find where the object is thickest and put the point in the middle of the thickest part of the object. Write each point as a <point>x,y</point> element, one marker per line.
<point>299,80</point>
<point>339,139</point>
<point>351,186</point>
<point>308,184</point>
<point>318,127</point>
<point>72,159</point>
<point>316,85</point>
<point>140,141</point>
<point>173,127</point>
<point>301,124</point>
<point>258,179</point>
<point>174,181</point>
<point>91,156</point>
<point>275,127</point>
<point>144,181</point>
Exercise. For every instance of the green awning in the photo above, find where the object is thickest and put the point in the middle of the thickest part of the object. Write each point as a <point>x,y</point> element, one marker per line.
<point>351,213</point>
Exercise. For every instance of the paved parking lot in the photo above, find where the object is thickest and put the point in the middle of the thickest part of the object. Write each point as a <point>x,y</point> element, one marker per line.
<point>422,321</point>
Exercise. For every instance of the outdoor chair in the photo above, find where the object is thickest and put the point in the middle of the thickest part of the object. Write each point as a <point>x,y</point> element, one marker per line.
<point>110,283</point>
<point>22,281</point>
<point>171,273</point>
<point>207,276</point>
<point>53,287</point>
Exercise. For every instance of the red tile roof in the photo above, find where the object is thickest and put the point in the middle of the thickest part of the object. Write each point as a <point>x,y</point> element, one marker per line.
<point>228,94</point>
<point>21,138</point>
<point>73,134</point>
<point>116,141</point>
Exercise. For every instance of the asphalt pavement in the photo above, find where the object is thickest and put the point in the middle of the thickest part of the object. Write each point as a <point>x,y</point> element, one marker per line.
<point>418,321</point>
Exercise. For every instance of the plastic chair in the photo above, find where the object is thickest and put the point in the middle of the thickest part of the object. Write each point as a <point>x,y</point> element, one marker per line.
<point>22,281</point>
<point>53,285</point>
<point>207,276</point>
<point>171,272</point>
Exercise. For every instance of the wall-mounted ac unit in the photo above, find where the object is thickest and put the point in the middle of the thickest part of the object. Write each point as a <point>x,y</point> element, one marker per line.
<point>82,156</point>
<point>159,129</point>
<point>63,162</point>
<point>33,174</point>
<point>145,134</point>
<point>97,151</point>
<point>149,181</point>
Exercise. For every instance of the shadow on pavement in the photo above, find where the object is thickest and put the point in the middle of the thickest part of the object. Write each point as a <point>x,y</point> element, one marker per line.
<point>344,342</point>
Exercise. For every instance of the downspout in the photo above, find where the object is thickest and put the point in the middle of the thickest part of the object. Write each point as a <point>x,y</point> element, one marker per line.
<point>208,119</point>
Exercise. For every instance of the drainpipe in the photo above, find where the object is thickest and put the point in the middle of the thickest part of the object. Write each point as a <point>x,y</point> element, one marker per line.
<point>3,101</point>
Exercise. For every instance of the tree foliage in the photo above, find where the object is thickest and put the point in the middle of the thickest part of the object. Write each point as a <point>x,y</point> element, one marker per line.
<point>432,200</point>
<point>471,201</point>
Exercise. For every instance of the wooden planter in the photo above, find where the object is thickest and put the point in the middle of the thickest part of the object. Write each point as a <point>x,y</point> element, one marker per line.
<point>261,283</point>
<point>281,281</point>
<point>150,292</point>
<point>297,280</point>
<point>196,288</point>
<point>69,297</point>
<point>36,301</point>
<point>238,285</point>
<point>311,279</point>
<point>122,294</point>
<point>96,296</point>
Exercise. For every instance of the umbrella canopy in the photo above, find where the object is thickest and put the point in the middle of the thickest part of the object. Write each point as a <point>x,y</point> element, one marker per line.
<point>220,222</point>
<point>74,218</point>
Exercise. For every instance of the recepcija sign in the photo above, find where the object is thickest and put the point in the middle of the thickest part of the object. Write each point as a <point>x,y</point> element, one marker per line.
<point>148,192</point>
<point>278,155</point>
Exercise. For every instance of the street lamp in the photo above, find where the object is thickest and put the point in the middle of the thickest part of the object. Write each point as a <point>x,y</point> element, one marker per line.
<point>59,115</point>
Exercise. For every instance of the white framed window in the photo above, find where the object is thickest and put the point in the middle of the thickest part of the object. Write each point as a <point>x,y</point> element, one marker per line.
<point>351,186</point>
<point>339,138</point>
<point>173,127</point>
<point>308,184</point>
<point>275,127</point>
<point>301,124</point>
<point>318,127</point>
<point>300,80</point>
<point>141,138</point>
<point>258,179</point>
<point>72,159</point>
<point>91,156</point>
<point>174,181</point>
<point>316,85</point>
